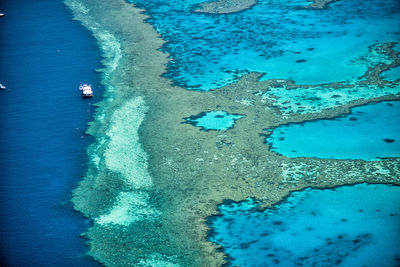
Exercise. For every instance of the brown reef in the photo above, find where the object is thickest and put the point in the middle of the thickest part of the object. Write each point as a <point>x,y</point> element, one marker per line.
<point>225,6</point>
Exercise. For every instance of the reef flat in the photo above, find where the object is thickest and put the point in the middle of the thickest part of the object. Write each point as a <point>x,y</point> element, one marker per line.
<point>153,181</point>
<point>320,4</point>
<point>233,6</point>
<point>225,6</point>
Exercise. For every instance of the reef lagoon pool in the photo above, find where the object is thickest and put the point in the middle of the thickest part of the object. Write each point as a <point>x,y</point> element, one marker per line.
<point>348,226</point>
<point>369,132</point>
<point>391,74</point>
<point>214,120</point>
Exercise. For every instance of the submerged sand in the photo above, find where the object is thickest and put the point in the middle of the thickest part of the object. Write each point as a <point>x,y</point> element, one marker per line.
<point>320,4</point>
<point>233,6</point>
<point>153,181</point>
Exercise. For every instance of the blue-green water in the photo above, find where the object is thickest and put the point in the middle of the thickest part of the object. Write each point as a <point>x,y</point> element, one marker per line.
<point>214,120</point>
<point>346,226</point>
<point>369,132</point>
<point>279,38</point>
<point>43,141</point>
<point>391,74</point>
<point>397,47</point>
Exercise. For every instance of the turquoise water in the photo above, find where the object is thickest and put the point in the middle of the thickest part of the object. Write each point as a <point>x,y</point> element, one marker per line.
<point>391,74</point>
<point>319,98</point>
<point>346,226</point>
<point>396,47</point>
<point>214,120</point>
<point>369,132</point>
<point>276,37</point>
<point>43,139</point>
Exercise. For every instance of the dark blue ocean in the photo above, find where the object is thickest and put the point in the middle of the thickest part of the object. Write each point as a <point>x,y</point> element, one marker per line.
<point>44,56</point>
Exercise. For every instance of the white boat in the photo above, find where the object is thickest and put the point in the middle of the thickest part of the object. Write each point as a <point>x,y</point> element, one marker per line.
<point>86,90</point>
<point>2,86</point>
<point>2,14</point>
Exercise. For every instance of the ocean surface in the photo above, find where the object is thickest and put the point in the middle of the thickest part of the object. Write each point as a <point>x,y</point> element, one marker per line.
<point>275,37</point>
<point>44,56</point>
<point>284,41</point>
<point>392,74</point>
<point>347,226</point>
<point>369,132</point>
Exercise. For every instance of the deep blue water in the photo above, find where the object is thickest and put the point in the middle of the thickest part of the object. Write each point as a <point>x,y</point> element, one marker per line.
<point>369,132</point>
<point>277,37</point>
<point>214,120</point>
<point>347,226</point>
<point>44,56</point>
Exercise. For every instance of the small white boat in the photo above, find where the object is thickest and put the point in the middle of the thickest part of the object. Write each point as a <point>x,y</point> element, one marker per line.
<point>86,90</point>
<point>2,86</point>
<point>2,14</point>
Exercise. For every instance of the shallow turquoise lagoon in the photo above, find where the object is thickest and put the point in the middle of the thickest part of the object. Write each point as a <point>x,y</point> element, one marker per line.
<point>348,226</point>
<point>214,120</point>
<point>369,132</point>
<point>391,74</point>
<point>397,47</point>
<point>279,38</point>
